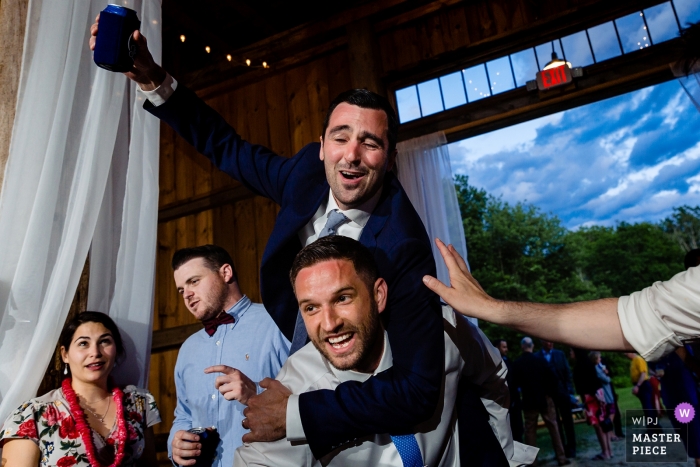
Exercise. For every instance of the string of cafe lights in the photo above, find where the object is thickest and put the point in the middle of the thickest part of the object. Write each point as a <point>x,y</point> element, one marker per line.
<point>248,62</point>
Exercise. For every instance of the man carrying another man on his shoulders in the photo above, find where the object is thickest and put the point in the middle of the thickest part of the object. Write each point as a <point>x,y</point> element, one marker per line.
<point>342,299</point>
<point>342,185</point>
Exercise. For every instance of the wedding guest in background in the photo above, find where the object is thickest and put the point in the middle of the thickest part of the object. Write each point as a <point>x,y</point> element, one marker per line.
<point>515,409</point>
<point>218,367</point>
<point>562,398</point>
<point>605,381</point>
<point>88,421</point>
<point>679,385</point>
<point>639,373</point>
<point>538,384</point>
<point>590,389</point>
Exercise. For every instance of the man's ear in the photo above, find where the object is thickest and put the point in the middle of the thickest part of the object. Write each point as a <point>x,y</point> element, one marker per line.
<point>226,273</point>
<point>380,294</point>
<point>392,160</point>
<point>320,152</point>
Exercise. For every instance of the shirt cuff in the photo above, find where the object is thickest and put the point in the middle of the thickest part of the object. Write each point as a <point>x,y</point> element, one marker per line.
<point>162,93</point>
<point>295,430</point>
<point>643,328</point>
<point>523,455</point>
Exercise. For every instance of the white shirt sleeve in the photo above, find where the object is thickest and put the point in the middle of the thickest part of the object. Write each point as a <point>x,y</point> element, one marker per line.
<point>484,367</point>
<point>162,93</point>
<point>295,430</point>
<point>657,319</point>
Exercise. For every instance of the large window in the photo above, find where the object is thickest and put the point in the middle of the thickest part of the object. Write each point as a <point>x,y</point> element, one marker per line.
<point>605,41</point>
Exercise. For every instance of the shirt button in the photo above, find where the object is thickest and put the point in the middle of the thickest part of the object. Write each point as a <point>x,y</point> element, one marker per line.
<point>213,396</point>
<point>218,342</point>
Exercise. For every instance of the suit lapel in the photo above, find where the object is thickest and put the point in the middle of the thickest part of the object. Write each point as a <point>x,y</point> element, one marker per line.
<point>379,216</point>
<point>293,218</point>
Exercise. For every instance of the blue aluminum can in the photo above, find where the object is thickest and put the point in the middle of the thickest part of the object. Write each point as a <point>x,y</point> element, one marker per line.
<point>115,48</point>
<point>209,438</point>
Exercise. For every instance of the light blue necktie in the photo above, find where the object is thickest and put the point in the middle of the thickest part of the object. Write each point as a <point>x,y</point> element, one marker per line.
<point>408,450</point>
<point>335,218</point>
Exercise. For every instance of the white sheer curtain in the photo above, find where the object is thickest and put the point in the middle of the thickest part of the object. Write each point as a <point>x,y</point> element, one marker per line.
<point>77,129</point>
<point>424,170</point>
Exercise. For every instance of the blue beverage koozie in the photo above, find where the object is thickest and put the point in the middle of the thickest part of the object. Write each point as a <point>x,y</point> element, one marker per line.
<point>115,48</point>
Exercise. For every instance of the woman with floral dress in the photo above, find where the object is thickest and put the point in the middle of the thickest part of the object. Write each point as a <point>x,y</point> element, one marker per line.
<point>88,421</point>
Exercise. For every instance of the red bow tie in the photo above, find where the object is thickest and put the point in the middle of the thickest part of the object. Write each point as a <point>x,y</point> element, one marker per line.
<point>211,324</point>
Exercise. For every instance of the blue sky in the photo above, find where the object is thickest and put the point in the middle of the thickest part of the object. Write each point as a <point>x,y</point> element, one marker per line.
<point>629,158</point>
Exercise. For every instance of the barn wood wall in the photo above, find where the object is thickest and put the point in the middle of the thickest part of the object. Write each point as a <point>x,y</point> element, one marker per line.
<point>284,111</point>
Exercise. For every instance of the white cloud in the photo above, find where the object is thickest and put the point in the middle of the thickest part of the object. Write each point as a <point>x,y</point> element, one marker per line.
<point>637,99</point>
<point>694,183</point>
<point>519,138</point>
<point>619,146</point>
<point>676,105</point>
<point>648,174</point>
<point>665,193</point>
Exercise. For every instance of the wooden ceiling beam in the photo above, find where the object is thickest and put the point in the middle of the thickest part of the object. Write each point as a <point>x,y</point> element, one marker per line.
<point>613,77</point>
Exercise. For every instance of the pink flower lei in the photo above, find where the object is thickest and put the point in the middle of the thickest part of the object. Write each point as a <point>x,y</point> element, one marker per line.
<point>85,430</point>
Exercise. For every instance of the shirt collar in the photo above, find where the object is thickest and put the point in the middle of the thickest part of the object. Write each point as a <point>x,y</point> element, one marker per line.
<point>359,215</point>
<point>239,308</point>
<point>350,375</point>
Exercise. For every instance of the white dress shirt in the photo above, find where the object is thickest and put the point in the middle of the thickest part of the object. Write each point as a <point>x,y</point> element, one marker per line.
<point>656,320</point>
<point>483,367</point>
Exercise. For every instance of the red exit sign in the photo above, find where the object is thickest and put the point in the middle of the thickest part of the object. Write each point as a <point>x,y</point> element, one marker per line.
<point>553,77</point>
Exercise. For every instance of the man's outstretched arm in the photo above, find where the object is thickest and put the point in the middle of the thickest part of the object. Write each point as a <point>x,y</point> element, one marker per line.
<point>594,324</point>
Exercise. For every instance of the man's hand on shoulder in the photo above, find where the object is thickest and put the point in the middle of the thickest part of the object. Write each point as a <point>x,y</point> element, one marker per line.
<point>186,447</point>
<point>145,72</point>
<point>233,384</point>
<point>266,414</point>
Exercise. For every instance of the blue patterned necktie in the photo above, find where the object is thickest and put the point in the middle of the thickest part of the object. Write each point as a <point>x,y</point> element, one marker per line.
<point>408,450</point>
<point>335,218</point>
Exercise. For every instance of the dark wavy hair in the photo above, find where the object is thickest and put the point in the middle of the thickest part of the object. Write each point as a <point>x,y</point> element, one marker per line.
<point>692,258</point>
<point>337,247</point>
<point>367,100</point>
<point>92,317</point>
<point>213,255</point>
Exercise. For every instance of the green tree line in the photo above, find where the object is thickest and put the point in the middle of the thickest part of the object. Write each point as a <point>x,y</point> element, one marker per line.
<point>518,252</point>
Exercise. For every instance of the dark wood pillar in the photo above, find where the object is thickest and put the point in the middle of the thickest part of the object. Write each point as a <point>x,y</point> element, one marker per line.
<point>13,18</point>
<point>363,51</point>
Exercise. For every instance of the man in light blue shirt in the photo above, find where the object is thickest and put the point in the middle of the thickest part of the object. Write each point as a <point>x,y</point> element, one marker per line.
<point>218,367</point>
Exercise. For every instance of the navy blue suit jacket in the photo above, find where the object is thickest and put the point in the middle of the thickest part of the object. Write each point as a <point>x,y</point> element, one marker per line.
<point>560,366</point>
<point>392,401</point>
